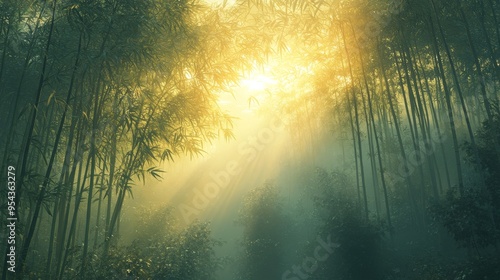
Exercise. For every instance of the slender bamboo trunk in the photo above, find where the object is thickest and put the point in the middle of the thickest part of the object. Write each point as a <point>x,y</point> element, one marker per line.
<point>455,78</point>
<point>13,111</point>
<point>436,122</point>
<point>412,119</point>
<point>424,124</point>
<point>101,190</point>
<point>489,44</point>
<point>4,53</point>
<point>406,175</point>
<point>495,20</point>
<point>68,153</point>
<point>31,125</point>
<point>363,183</point>
<point>449,107</point>
<point>371,153</point>
<point>353,135</point>
<point>92,154</point>
<point>379,156</point>
<point>482,81</point>
<point>74,219</point>
<point>69,182</point>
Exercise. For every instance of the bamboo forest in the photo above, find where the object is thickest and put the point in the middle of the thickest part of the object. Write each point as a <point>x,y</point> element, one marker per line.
<point>250,139</point>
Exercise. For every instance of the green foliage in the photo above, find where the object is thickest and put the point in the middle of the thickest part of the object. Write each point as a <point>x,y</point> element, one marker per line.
<point>334,194</point>
<point>488,160</point>
<point>479,268</point>
<point>467,218</point>
<point>264,234</point>
<point>361,241</point>
<point>360,253</point>
<point>160,252</point>
<point>433,268</point>
<point>473,217</point>
<point>139,80</point>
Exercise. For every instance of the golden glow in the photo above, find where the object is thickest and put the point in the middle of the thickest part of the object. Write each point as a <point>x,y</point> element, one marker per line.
<point>279,81</point>
<point>249,92</point>
<point>258,82</point>
<point>219,3</point>
<point>260,146</point>
<point>188,74</point>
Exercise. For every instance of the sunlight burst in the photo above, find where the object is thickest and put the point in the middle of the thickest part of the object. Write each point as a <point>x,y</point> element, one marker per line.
<point>258,82</point>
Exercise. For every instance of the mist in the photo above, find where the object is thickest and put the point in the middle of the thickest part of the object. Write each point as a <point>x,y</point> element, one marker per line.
<point>250,139</point>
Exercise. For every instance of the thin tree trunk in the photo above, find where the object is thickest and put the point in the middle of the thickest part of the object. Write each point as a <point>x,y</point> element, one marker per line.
<point>455,79</point>
<point>101,190</point>
<point>482,81</point>
<point>449,109</point>
<point>406,174</point>
<point>56,204</point>
<point>360,150</point>
<point>78,198</point>
<point>12,114</point>
<point>381,166</point>
<point>31,125</point>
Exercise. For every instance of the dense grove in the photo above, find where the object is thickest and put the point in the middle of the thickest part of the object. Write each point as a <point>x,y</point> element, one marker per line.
<point>95,97</point>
